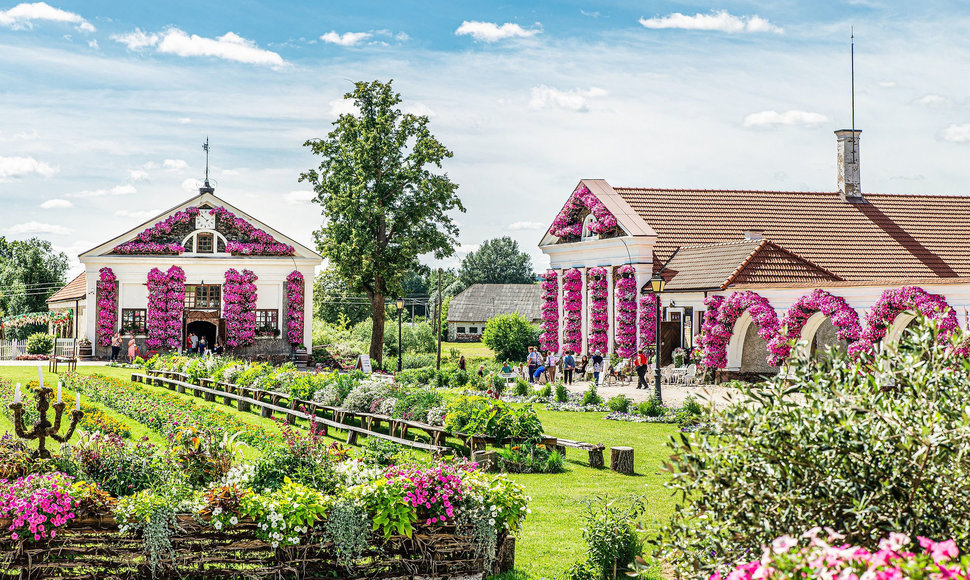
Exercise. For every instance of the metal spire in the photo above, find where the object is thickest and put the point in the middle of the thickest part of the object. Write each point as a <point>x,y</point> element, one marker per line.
<point>206,188</point>
<point>852,64</point>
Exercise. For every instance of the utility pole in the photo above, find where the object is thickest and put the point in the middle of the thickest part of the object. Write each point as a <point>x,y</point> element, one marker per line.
<point>438,319</point>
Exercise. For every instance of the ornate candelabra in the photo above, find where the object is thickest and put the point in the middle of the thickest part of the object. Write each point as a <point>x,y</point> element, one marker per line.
<point>43,428</point>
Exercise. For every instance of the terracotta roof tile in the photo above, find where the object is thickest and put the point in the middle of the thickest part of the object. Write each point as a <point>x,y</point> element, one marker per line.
<point>888,236</point>
<point>76,289</point>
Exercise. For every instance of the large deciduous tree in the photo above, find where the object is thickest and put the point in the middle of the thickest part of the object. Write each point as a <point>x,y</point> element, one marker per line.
<point>497,261</point>
<point>31,271</point>
<point>385,200</point>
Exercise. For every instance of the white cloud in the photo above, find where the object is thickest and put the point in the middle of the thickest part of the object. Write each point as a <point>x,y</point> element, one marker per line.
<point>933,101</point>
<point>137,175</point>
<point>572,100</point>
<point>769,118</point>
<point>345,39</point>
<point>33,227</point>
<point>491,32</point>
<point>174,164</point>
<point>93,44</point>
<point>887,84</point>
<point>138,214</point>
<point>298,197</point>
<point>190,184</point>
<point>11,167</point>
<point>56,204</point>
<point>342,107</point>
<point>464,249</point>
<point>184,120</point>
<point>526,226</point>
<point>125,189</point>
<point>229,46</point>
<point>402,37</point>
<point>22,16</point>
<point>721,21</point>
<point>418,109</point>
<point>956,133</point>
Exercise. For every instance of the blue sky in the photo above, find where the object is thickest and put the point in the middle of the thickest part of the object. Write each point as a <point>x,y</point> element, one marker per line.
<point>104,105</point>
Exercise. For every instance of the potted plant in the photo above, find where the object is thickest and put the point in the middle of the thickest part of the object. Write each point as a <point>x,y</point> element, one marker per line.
<point>84,349</point>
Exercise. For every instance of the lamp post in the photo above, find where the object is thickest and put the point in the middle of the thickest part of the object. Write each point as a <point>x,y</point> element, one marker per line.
<point>400,355</point>
<point>657,285</point>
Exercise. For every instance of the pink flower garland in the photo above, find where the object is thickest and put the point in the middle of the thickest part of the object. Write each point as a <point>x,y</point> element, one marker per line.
<point>264,244</point>
<point>550,311</point>
<point>572,303</point>
<point>294,309</point>
<point>717,336</point>
<point>239,307</point>
<point>844,318</point>
<point>626,311</point>
<point>894,302</point>
<point>599,318</point>
<point>567,224</point>
<point>647,322</point>
<point>166,303</point>
<point>107,295</point>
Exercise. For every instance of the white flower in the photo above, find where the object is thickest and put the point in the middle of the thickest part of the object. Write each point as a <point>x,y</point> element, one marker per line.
<point>895,542</point>
<point>491,521</point>
<point>233,520</point>
<point>528,511</point>
<point>275,544</point>
<point>217,525</point>
<point>783,544</point>
<point>217,511</point>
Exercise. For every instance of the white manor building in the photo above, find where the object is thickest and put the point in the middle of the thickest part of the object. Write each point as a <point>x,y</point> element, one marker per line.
<point>779,248</point>
<point>207,239</point>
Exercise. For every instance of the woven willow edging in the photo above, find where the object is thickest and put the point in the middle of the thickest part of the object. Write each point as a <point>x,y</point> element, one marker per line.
<point>94,549</point>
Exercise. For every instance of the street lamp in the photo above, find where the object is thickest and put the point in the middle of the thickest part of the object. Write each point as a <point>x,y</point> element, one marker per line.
<point>657,284</point>
<point>400,311</point>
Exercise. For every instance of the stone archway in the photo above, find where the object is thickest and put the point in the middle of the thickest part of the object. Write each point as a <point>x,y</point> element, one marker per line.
<point>735,347</point>
<point>203,329</point>
<point>895,331</point>
<point>818,334</point>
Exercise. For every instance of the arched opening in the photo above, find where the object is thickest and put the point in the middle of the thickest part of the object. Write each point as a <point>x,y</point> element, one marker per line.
<point>817,336</point>
<point>588,233</point>
<point>754,352</point>
<point>203,329</point>
<point>735,347</point>
<point>895,331</point>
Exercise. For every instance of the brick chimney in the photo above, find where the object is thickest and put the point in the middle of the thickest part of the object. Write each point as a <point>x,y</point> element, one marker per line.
<point>850,188</point>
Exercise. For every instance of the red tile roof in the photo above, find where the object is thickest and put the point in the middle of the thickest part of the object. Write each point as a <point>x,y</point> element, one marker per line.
<point>888,236</point>
<point>76,289</point>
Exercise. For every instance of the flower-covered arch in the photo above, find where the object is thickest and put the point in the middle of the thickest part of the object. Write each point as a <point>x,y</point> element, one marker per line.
<point>718,334</point>
<point>896,301</point>
<point>568,224</point>
<point>844,318</point>
<point>550,311</point>
<point>626,311</point>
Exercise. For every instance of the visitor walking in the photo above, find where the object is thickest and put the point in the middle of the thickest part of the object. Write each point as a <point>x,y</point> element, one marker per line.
<point>597,367</point>
<point>132,349</point>
<point>533,360</point>
<point>568,366</point>
<point>641,363</point>
<point>551,361</point>
<point>115,346</point>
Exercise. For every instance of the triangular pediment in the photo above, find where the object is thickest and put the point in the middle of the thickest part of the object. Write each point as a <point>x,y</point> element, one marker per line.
<point>205,201</point>
<point>612,215</point>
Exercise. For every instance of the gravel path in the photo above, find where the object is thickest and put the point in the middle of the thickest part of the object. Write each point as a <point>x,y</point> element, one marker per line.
<point>673,394</point>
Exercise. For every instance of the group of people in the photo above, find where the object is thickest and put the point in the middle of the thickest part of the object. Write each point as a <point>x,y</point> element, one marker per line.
<point>193,344</point>
<point>540,365</point>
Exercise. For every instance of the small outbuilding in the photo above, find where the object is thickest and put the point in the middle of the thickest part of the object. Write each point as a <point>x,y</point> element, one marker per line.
<point>473,308</point>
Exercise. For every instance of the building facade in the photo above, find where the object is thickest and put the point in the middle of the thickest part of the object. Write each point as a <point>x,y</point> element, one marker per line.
<point>470,311</point>
<point>206,268</point>
<point>752,268</point>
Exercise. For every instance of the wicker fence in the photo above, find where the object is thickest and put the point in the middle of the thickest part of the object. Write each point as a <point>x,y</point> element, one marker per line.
<point>94,549</point>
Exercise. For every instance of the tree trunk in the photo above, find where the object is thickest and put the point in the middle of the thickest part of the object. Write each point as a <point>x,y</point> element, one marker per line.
<point>621,459</point>
<point>377,334</point>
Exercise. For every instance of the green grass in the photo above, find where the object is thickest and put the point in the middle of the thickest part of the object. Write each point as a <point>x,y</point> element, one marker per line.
<point>469,349</point>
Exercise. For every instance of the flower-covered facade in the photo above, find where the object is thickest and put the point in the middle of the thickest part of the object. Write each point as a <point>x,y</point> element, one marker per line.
<point>171,283</point>
<point>572,304</point>
<point>599,317</point>
<point>626,311</point>
<point>549,339</point>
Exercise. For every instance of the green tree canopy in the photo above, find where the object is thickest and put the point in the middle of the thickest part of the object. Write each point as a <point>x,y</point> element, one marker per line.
<point>497,261</point>
<point>384,198</point>
<point>510,336</point>
<point>31,271</point>
<point>332,298</point>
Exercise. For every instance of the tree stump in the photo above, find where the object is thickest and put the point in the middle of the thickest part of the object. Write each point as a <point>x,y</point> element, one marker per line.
<point>486,460</point>
<point>596,457</point>
<point>243,405</point>
<point>621,459</point>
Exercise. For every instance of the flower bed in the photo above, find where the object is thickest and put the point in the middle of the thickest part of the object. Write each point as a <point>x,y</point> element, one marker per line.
<point>550,311</point>
<point>573,306</point>
<point>599,318</point>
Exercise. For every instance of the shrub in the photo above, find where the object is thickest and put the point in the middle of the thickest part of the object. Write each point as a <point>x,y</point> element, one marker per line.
<point>40,343</point>
<point>120,468</point>
<point>529,458</point>
<point>522,388</point>
<point>545,391</point>
<point>619,403</point>
<point>377,451</point>
<point>509,336</point>
<point>864,447</point>
<point>590,397</point>
<point>562,393</point>
<point>652,407</point>
<point>486,416</point>
<point>611,538</point>
<point>363,395</point>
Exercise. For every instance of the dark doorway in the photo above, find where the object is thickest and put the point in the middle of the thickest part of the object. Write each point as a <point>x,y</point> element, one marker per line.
<point>202,328</point>
<point>669,340</point>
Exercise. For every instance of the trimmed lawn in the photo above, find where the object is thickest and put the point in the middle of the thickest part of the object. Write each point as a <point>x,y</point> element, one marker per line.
<point>469,349</point>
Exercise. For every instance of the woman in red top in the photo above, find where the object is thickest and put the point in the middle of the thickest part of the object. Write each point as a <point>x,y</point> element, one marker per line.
<point>641,363</point>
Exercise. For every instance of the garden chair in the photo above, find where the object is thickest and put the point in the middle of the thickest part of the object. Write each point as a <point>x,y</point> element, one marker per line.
<point>690,375</point>
<point>667,373</point>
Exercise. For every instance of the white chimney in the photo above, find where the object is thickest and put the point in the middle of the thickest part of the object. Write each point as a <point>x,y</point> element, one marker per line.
<point>850,187</point>
<point>750,235</point>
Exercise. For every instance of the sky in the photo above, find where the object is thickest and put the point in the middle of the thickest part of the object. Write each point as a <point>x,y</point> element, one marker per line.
<point>104,106</point>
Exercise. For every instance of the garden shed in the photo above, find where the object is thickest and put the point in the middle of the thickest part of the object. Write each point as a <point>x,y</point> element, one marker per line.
<point>473,308</point>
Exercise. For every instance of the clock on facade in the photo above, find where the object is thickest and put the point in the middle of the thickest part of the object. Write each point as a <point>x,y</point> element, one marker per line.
<point>205,221</point>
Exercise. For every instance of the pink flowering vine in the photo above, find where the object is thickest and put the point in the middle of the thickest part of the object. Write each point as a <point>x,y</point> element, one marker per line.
<point>549,340</point>
<point>647,322</point>
<point>572,303</point>
<point>599,318</point>
<point>239,307</point>
<point>263,244</point>
<point>107,296</point>
<point>434,492</point>
<point>567,224</point>
<point>626,311</point>
<point>166,304</point>
<point>294,308</point>
<point>894,302</point>
<point>844,318</point>
<point>717,336</point>
<point>36,505</point>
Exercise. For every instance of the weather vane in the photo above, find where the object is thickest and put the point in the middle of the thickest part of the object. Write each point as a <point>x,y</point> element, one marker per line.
<point>206,188</point>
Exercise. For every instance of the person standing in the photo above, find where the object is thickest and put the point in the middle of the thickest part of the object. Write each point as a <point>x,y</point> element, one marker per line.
<point>568,366</point>
<point>533,360</point>
<point>202,345</point>
<point>597,367</point>
<point>551,361</point>
<point>193,342</point>
<point>132,349</point>
<point>115,346</point>
<point>641,363</point>
<point>462,364</point>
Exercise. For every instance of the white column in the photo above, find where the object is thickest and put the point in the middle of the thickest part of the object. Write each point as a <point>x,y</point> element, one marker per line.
<point>91,305</point>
